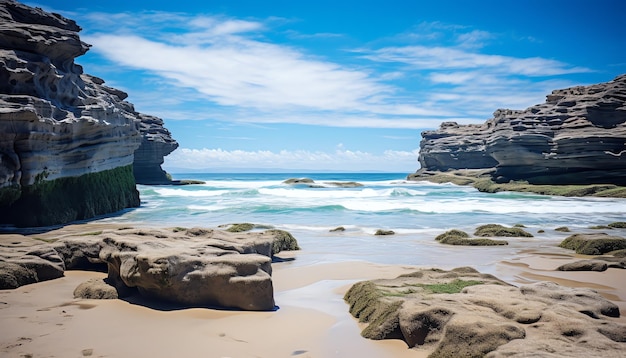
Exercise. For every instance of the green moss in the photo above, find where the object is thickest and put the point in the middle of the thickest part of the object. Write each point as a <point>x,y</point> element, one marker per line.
<point>9,195</point>
<point>618,225</point>
<point>499,230</point>
<point>600,227</point>
<point>593,244</point>
<point>74,198</point>
<point>240,227</point>
<point>454,233</point>
<point>283,241</point>
<point>462,241</point>
<point>91,233</point>
<point>562,229</point>
<point>455,286</point>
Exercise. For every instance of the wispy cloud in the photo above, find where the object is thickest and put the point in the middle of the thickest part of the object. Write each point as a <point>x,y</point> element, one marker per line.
<point>340,159</point>
<point>232,70</point>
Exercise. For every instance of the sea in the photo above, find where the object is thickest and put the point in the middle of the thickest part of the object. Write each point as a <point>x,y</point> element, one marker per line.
<point>416,211</point>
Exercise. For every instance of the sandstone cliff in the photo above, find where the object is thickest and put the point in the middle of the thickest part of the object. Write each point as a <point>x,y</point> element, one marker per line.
<point>578,136</point>
<point>67,141</point>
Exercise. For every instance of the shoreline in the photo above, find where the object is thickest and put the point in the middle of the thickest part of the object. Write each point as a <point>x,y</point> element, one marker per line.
<point>312,319</point>
<point>481,180</point>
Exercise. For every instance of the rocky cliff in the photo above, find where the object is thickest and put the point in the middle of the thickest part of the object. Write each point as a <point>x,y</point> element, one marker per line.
<point>67,141</point>
<point>156,143</point>
<point>578,136</point>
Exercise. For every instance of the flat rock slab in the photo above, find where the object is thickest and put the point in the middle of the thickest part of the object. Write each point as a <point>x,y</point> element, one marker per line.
<point>193,267</point>
<point>463,313</point>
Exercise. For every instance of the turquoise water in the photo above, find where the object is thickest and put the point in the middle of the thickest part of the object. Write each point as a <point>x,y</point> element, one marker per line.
<point>416,211</point>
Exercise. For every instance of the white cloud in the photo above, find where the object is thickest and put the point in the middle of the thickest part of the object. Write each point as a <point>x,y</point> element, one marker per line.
<point>342,159</point>
<point>228,69</point>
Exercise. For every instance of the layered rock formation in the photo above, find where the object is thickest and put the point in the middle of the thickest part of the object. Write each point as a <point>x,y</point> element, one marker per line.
<point>156,143</point>
<point>463,313</point>
<point>192,267</point>
<point>67,141</point>
<point>578,136</point>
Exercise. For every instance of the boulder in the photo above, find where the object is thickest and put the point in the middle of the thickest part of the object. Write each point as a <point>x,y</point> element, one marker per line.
<point>192,267</point>
<point>593,244</point>
<point>463,313</point>
<point>577,136</point>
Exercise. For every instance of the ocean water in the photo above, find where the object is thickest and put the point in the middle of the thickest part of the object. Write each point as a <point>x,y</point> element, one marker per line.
<point>415,211</point>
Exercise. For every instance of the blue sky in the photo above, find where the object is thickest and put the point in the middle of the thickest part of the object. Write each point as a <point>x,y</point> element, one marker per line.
<point>337,85</point>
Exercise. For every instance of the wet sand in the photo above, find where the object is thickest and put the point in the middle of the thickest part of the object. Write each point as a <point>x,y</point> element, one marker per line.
<point>312,320</point>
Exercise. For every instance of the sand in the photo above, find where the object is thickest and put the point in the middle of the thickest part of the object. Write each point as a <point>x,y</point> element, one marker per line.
<point>312,320</point>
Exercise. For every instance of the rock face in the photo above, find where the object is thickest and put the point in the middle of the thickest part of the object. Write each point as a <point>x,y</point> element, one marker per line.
<point>156,143</point>
<point>462,313</point>
<point>67,141</point>
<point>578,136</point>
<point>194,267</point>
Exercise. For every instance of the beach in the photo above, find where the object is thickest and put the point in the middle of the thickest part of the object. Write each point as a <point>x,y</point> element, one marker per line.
<point>311,319</point>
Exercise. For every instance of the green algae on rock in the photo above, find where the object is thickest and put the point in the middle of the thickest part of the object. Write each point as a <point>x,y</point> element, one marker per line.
<point>73,198</point>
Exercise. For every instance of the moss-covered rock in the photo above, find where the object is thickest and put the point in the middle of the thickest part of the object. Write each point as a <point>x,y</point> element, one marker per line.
<point>454,233</point>
<point>593,244</point>
<point>618,225</point>
<point>490,230</point>
<point>381,232</point>
<point>283,241</point>
<point>240,227</point>
<point>461,238</point>
<point>73,198</point>
<point>562,229</point>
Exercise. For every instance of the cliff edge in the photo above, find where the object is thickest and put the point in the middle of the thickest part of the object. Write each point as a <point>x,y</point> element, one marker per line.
<point>578,136</point>
<point>67,141</point>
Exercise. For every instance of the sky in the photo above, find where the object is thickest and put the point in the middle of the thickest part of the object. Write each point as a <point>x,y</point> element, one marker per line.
<point>337,85</point>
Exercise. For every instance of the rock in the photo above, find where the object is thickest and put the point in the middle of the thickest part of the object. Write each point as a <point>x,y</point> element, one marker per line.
<point>62,132</point>
<point>381,232</point>
<point>480,315</point>
<point>585,265</point>
<point>593,244</point>
<point>97,289</point>
<point>599,264</point>
<point>299,181</point>
<point>461,238</point>
<point>577,136</point>
<point>338,229</point>
<point>281,241</point>
<point>499,230</point>
<point>156,143</point>
<point>344,184</point>
<point>26,261</point>
<point>193,267</point>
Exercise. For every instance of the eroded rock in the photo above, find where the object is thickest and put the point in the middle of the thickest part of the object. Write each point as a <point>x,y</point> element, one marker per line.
<point>463,313</point>
<point>577,136</point>
<point>193,267</point>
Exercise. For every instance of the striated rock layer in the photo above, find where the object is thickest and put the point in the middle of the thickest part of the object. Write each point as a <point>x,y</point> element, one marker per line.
<point>578,136</point>
<point>67,141</point>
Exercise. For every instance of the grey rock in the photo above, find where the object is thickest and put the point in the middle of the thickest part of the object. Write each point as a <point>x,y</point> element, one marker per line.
<point>578,136</point>
<point>57,122</point>
<point>488,319</point>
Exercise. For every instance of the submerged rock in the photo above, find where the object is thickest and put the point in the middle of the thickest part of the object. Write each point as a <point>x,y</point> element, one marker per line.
<point>577,136</point>
<point>463,313</point>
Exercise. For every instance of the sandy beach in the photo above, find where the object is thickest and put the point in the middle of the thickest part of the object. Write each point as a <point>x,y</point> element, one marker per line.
<point>312,320</point>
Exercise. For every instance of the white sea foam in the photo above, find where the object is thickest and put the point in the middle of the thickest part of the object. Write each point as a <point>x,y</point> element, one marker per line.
<point>189,193</point>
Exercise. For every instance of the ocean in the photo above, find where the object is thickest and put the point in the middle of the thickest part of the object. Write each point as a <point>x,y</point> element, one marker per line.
<point>416,211</point>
